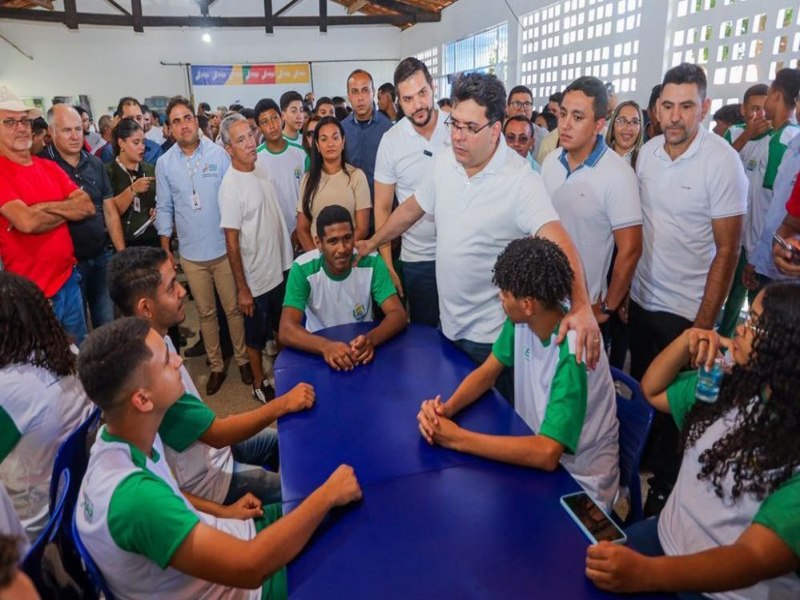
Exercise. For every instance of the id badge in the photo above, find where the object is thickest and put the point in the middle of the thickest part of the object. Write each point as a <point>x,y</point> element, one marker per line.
<point>196,201</point>
<point>137,204</point>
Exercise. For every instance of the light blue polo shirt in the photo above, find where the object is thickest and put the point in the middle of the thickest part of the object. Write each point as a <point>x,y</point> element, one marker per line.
<point>177,177</point>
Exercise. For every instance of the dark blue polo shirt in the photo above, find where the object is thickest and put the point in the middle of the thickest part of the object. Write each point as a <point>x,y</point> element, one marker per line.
<point>361,143</point>
<point>89,236</point>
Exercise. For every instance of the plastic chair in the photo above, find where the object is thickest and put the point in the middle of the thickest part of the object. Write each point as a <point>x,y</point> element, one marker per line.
<point>97,584</point>
<point>635,415</point>
<point>32,561</point>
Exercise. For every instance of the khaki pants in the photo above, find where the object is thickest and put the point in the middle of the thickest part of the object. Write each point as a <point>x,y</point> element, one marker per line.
<point>203,276</point>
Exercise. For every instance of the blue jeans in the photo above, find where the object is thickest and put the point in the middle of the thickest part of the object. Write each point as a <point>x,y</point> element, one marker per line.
<point>643,537</point>
<point>479,352</point>
<point>68,307</point>
<point>249,472</point>
<point>94,288</point>
<point>419,281</point>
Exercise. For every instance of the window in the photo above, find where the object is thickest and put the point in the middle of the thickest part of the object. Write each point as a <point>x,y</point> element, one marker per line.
<point>484,52</point>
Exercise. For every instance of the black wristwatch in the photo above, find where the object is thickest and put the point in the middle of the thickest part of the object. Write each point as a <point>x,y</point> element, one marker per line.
<point>605,310</point>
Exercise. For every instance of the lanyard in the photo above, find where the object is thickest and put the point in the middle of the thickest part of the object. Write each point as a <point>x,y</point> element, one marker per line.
<point>193,167</point>
<point>127,172</point>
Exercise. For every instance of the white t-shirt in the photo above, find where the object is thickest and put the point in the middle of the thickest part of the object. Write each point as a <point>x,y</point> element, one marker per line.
<point>680,199</point>
<point>248,202</point>
<point>156,135</point>
<point>38,411</point>
<point>599,197</point>
<point>10,523</point>
<point>475,220</point>
<point>404,157</point>
<point>285,169</point>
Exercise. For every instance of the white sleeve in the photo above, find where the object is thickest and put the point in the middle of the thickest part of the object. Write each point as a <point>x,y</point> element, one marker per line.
<point>384,167</point>
<point>623,205</point>
<point>230,207</point>
<point>426,192</point>
<point>727,186</point>
<point>535,206</point>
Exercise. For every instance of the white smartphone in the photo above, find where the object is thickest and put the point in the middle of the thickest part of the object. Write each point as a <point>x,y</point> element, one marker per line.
<point>593,520</point>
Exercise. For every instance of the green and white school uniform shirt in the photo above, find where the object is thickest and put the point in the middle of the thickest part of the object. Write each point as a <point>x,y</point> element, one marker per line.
<point>38,410</point>
<point>285,169</point>
<point>561,399</point>
<point>330,300</point>
<point>201,469</point>
<point>696,519</point>
<point>132,517</point>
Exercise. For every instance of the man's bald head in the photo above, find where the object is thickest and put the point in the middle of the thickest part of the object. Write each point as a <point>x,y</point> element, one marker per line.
<point>66,129</point>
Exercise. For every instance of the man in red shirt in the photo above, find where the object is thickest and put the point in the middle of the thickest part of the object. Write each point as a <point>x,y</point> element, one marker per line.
<point>36,200</point>
<point>790,230</point>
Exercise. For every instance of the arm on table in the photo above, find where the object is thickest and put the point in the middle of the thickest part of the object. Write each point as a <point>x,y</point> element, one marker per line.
<point>292,333</point>
<point>757,555</point>
<point>394,321</point>
<point>727,238</point>
<point>247,563</point>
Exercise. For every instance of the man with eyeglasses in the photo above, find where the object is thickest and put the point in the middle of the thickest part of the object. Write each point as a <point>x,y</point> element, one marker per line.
<point>518,131</point>
<point>90,236</point>
<point>596,194</point>
<point>37,199</point>
<point>482,195</point>
<point>520,102</point>
<point>285,162</point>
<point>405,154</point>
<point>130,108</point>
<point>364,127</point>
<point>188,178</point>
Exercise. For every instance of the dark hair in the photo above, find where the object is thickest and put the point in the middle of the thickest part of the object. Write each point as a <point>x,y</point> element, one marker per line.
<point>247,113</point>
<point>730,113</point>
<point>124,129</point>
<point>611,135</point>
<point>80,110</point>
<point>340,112</point>
<point>127,101</point>
<point>205,106</point>
<point>444,102</point>
<point>519,89</point>
<point>549,118</point>
<point>134,274</point>
<point>235,107</point>
<point>595,89</point>
<point>38,124</point>
<point>203,122</point>
<point>484,89</point>
<point>409,66</point>
<point>758,89</point>
<point>263,106</point>
<point>339,101</point>
<point>306,144</point>
<point>787,82</point>
<point>179,101</point>
<point>687,73</point>
<point>314,174</point>
<point>288,97</point>
<point>654,95</point>
<point>108,365</point>
<point>146,109</point>
<point>360,72</point>
<point>556,97</point>
<point>534,267</point>
<point>29,331</point>
<point>521,119</point>
<point>388,88</point>
<point>759,451</point>
<point>9,559</point>
<point>331,215</point>
<point>322,101</point>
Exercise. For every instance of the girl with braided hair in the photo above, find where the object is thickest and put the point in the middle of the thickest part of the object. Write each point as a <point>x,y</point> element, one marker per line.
<point>571,409</point>
<point>732,523</point>
<point>41,399</point>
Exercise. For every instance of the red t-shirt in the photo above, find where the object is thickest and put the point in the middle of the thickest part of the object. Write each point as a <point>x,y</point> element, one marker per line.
<point>45,258</point>
<point>793,205</point>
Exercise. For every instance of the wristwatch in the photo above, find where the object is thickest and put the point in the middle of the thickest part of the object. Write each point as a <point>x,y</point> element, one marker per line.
<point>605,310</point>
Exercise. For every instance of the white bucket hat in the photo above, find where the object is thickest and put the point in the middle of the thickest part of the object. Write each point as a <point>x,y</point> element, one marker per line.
<point>10,101</point>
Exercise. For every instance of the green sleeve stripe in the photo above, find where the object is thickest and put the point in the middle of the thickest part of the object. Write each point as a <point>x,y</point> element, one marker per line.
<point>274,588</point>
<point>680,396</point>
<point>261,147</point>
<point>727,136</point>
<point>774,156</point>
<point>185,422</point>
<point>382,285</point>
<point>307,162</point>
<point>297,288</point>
<point>779,513</point>
<point>134,524</point>
<point>566,408</point>
<point>9,434</point>
<point>503,347</point>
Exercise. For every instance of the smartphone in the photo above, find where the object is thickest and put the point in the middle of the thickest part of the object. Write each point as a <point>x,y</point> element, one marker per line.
<point>593,520</point>
<point>795,255</point>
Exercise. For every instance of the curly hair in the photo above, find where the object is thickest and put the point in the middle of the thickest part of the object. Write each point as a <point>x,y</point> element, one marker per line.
<point>9,558</point>
<point>534,267</point>
<point>760,449</point>
<point>29,330</point>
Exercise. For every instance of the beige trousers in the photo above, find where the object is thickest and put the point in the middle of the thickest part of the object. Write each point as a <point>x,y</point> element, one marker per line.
<point>203,276</point>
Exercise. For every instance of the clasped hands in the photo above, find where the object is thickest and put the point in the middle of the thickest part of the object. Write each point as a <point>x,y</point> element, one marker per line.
<point>435,423</point>
<point>346,357</point>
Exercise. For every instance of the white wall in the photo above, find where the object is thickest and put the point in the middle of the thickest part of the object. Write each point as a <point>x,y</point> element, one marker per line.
<point>107,63</point>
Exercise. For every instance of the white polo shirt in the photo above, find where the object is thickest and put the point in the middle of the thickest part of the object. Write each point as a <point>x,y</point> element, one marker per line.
<point>285,169</point>
<point>475,220</point>
<point>680,198</point>
<point>404,157</point>
<point>249,203</point>
<point>594,200</point>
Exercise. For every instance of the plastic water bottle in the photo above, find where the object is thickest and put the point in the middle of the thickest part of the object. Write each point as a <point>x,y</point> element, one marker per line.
<point>708,380</point>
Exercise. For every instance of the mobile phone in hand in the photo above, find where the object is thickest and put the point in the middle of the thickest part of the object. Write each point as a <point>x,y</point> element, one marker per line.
<point>593,520</point>
<point>784,245</point>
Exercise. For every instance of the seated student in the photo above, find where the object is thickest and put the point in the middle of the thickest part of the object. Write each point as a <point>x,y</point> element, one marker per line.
<point>326,286</point>
<point>732,521</point>
<point>41,399</point>
<point>145,537</point>
<point>571,409</point>
<point>217,459</point>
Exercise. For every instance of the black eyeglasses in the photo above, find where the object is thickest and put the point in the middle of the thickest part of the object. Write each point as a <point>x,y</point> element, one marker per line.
<point>469,129</point>
<point>11,123</point>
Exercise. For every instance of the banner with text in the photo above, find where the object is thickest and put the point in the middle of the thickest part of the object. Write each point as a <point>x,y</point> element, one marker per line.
<point>262,74</point>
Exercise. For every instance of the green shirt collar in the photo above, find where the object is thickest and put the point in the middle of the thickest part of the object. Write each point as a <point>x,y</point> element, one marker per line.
<point>138,457</point>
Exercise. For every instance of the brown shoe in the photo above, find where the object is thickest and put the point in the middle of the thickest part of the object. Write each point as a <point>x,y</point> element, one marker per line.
<point>215,382</point>
<point>247,374</point>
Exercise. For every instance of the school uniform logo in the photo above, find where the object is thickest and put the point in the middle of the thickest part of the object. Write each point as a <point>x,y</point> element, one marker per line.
<point>527,353</point>
<point>88,508</point>
<point>298,173</point>
<point>359,312</point>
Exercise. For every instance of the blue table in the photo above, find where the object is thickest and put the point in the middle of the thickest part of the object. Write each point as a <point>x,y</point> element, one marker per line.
<point>433,523</point>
